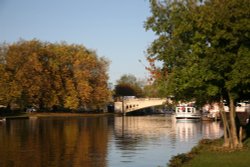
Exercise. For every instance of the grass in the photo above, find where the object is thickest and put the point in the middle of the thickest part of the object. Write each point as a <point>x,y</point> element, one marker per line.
<point>216,159</point>
<point>209,153</point>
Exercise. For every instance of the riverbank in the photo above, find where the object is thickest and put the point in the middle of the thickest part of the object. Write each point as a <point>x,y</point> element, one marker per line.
<point>50,114</point>
<point>210,153</point>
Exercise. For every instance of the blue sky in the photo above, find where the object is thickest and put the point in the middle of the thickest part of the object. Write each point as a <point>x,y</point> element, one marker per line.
<point>113,28</point>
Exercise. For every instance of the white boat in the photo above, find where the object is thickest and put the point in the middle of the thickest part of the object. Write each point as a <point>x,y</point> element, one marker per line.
<point>187,112</point>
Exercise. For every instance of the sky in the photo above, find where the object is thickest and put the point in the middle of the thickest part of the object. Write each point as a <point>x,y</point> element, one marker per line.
<point>113,28</point>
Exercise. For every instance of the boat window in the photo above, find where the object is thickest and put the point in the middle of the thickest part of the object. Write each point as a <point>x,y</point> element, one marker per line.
<point>189,109</point>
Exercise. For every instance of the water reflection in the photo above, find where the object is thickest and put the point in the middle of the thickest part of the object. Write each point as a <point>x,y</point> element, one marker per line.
<point>157,138</point>
<point>54,142</point>
<point>99,141</point>
<point>187,130</point>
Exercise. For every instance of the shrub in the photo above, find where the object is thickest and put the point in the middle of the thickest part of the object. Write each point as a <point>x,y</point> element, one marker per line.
<point>178,160</point>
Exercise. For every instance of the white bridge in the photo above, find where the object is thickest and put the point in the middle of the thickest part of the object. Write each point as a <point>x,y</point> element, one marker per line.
<point>129,105</point>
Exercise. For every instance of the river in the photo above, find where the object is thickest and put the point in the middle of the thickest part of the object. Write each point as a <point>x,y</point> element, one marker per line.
<point>131,141</point>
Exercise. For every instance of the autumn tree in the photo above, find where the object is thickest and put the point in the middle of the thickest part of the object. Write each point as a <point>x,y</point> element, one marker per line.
<point>98,81</point>
<point>204,47</point>
<point>47,75</point>
<point>4,88</point>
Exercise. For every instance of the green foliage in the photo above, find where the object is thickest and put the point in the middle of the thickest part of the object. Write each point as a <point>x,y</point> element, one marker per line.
<point>204,47</point>
<point>44,75</point>
<point>152,90</point>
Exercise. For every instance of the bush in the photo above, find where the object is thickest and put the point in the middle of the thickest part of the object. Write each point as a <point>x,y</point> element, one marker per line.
<point>178,160</point>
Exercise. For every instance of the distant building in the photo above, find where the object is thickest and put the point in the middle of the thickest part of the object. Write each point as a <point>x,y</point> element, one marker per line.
<point>214,107</point>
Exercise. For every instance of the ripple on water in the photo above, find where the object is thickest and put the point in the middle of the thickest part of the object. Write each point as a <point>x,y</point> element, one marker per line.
<point>99,141</point>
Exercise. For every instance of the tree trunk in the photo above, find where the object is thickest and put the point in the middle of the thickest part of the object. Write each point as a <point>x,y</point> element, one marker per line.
<point>233,128</point>
<point>227,133</point>
<point>240,138</point>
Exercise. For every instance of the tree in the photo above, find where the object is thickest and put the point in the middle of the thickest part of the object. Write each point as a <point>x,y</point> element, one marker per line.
<point>203,45</point>
<point>100,92</point>
<point>151,90</point>
<point>124,89</point>
<point>46,75</point>
<point>129,85</point>
<point>4,86</point>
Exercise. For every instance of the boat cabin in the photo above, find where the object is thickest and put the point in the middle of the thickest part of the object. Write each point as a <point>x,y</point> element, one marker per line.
<point>187,112</point>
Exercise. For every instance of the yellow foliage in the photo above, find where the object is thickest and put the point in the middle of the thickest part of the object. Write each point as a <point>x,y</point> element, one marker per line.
<point>47,75</point>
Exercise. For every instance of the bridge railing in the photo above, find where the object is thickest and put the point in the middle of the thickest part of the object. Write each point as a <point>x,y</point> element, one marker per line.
<point>142,99</point>
<point>138,103</point>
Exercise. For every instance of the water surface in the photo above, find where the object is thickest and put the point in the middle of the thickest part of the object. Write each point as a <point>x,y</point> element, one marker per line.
<point>142,141</point>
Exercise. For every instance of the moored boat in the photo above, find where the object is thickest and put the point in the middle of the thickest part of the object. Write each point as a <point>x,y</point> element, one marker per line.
<point>187,112</point>
<point>210,116</point>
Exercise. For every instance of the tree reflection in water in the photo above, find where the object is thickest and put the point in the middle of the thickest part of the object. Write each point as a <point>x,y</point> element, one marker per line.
<point>99,141</point>
<point>54,142</point>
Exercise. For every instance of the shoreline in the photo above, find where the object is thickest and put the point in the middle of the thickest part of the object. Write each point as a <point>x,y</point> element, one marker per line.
<point>50,114</point>
<point>210,152</point>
